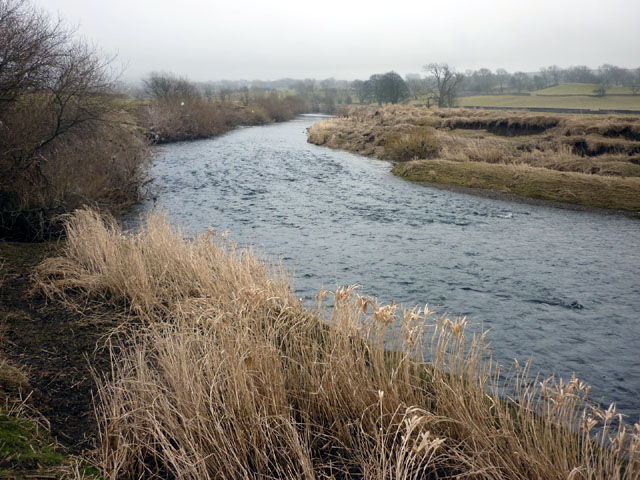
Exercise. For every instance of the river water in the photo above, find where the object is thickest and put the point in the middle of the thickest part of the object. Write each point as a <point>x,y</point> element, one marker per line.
<point>556,286</point>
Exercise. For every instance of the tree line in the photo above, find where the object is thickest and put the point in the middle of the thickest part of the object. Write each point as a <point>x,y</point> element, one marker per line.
<point>440,84</point>
<point>605,76</point>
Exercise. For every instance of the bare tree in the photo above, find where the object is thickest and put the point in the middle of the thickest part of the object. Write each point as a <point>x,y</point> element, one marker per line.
<point>520,81</point>
<point>163,85</point>
<point>446,83</point>
<point>502,76</point>
<point>55,96</point>
<point>30,48</point>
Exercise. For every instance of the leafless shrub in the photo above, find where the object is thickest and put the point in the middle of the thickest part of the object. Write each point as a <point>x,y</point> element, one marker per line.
<point>57,112</point>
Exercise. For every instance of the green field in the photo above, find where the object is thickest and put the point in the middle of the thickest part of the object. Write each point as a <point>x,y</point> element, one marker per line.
<point>580,89</point>
<point>533,101</point>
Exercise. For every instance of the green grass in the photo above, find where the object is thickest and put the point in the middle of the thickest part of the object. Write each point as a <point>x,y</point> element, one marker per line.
<point>533,101</point>
<point>24,445</point>
<point>530,182</point>
<point>579,89</point>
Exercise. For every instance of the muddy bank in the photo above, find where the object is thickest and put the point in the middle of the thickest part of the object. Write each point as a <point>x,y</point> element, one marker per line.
<point>57,349</point>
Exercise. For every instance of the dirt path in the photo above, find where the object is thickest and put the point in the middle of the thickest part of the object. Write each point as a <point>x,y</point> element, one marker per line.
<point>55,347</point>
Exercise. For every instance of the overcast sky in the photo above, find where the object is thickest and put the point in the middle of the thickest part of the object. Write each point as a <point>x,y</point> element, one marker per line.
<point>345,39</point>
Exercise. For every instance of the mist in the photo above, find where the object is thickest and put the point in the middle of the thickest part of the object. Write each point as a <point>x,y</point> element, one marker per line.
<point>247,39</point>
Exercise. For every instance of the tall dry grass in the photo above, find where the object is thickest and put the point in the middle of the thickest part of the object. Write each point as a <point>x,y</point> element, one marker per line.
<point>220,372</point>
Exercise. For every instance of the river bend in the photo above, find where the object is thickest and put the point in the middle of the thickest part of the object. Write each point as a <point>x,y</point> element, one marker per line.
<point>561,287</point>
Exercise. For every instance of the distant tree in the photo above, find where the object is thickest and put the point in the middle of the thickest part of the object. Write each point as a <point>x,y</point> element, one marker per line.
<point>224,94</point>
<point>612,75</point>
<point>484,80</point>
<point>538,82</point>
<point>416,84</point>
<point>162,85</point>
<point>502,78</point>
<point>635,85</point>
<point>551,75</point>
<point>520,81</point>
<point>245,96</point>
<point>446,82</point>
<point>357,86</point>
<point>580,74</point>
<point>391,88</point>
<point>374,87</point>
<point>209,90</point>
<point>555,73</point>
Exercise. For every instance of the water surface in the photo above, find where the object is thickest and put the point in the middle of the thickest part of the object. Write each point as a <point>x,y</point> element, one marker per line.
<point>561,287</point>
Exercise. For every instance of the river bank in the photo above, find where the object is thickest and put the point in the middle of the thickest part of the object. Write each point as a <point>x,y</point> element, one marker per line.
<point>224,181</point>
<point>584,160</point>
<point>218,356</point>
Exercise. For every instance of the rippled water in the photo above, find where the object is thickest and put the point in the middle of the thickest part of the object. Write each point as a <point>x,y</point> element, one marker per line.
<point>561,287</point>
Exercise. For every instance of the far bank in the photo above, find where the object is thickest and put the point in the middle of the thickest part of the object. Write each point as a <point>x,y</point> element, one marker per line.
<point>591,161</point>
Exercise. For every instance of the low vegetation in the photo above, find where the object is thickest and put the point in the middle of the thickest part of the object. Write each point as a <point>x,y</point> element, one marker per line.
<point>176,110</point>
<point>218,371</point>
<point>586,160</point>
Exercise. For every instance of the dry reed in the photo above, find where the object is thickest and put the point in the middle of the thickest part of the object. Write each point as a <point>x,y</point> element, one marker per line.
<point>220,372</point>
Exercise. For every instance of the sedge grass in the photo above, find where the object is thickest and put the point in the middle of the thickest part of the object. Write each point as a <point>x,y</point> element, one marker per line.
<point>219,372</point>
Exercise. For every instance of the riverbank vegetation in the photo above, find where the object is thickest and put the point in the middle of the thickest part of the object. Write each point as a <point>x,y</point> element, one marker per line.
<point>177,110</point>
<point>218,371</point>
<point>68,139</point>
<point>586,160</point>
<point>64,140</point>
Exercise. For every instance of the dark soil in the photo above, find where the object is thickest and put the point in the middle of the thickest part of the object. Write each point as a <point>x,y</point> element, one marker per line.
<point>56,347</point>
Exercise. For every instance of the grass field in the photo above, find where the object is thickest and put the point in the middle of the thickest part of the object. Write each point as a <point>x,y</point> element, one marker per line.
<point>555,97</point>
<point>580,89</point>
<point>535,101</point>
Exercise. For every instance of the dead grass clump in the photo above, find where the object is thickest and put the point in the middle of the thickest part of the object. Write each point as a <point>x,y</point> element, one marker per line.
<point>228,376</point>
<point>415,142</point>
<point>142,272</point>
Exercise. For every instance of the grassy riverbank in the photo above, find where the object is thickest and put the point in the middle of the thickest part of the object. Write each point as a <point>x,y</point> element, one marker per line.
<point>218,371</point>
<point>585,160</point>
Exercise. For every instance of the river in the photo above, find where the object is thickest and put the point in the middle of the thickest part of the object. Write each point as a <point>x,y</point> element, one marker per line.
<point>557,286</point>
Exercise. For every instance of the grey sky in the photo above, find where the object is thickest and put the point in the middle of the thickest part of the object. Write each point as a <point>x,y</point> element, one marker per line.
<point>251,39</point>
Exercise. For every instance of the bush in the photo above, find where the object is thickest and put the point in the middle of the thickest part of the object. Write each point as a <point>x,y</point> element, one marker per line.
<point>64,139</point>
<point>280,109</point>
<point>419,142</point>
